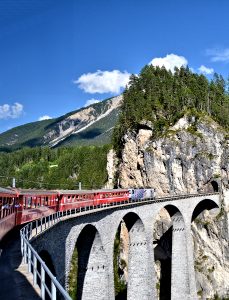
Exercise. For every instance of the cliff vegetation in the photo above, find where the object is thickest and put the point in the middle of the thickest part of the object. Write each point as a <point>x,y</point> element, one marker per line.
<point>162,97</point>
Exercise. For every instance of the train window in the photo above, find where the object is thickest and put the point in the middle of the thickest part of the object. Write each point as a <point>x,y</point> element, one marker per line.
<point>1,208</point>
<point>29,202</point>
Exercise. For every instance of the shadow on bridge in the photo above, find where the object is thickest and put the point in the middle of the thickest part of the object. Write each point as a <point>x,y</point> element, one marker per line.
<point>14,284</point>
<point>46,257</point>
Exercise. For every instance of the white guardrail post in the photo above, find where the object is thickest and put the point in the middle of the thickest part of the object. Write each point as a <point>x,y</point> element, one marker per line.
<point>42,282</point>
<point>34,270</point>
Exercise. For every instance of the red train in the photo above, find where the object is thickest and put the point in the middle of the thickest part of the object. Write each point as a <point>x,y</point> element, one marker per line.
<point>19,206</point>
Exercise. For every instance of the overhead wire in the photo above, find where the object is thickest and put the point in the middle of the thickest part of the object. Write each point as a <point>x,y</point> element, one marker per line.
<point>48,183</point>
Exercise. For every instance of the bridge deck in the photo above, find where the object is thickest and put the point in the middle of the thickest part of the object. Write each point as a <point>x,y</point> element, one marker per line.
<point>15,281</point>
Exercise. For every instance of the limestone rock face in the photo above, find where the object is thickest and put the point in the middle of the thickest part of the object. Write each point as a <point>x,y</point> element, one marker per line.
<point>124,249</point>
<point>211,255</point>
<point>111,169</point>
<point>192,157</point>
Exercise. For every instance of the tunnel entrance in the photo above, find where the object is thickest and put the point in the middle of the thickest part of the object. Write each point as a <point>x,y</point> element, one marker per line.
<point>215,186</point>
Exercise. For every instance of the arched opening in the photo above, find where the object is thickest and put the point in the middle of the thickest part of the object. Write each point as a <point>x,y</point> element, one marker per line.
<point>130,259</point>
<point>206,204</point>
<point>46,257</point>
<point>163,253</point>
<point>88,278</point>
<point>215,186</point>
<point>208,251</point>
<point>170,254</point>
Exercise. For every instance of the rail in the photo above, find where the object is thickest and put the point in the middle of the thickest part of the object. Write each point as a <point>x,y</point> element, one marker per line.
<point>30,257</point>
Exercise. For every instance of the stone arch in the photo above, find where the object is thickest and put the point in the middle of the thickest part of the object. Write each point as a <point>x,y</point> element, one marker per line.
<point>137,260</point>
<point>203,205</point>
<point>170,253</point>
<point>92,274</point>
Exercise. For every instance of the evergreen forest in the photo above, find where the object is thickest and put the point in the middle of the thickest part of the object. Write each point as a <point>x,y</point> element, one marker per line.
<point>61,168</point>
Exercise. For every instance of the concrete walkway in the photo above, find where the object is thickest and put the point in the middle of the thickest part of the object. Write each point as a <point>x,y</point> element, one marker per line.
<point>14,280</point>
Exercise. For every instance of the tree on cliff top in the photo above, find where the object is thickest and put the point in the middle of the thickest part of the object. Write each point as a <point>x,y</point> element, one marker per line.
<point>162,97</point>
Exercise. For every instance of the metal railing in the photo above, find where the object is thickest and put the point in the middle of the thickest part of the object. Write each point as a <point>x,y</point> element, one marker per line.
<point>30,257</point>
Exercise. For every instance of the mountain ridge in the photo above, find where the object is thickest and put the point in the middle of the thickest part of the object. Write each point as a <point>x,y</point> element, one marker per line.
<point>88,125</point>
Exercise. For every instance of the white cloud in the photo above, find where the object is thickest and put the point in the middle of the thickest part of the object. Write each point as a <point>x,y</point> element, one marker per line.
<point>205,70</point>
<point>91,101</point>
<point>218,54</point>
<point>45,117</point>
<point>103,81</point>
<point>170,61</point>
<point>11,111</point>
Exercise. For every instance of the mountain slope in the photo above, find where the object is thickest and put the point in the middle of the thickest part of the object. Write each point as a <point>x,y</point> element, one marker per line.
<point>91,125</point>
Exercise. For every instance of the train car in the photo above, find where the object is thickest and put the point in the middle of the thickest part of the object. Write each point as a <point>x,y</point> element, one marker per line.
<point>8,208</point>
<point>34,204</point>
<point>111,195</point>
<point>71,199</point>
<point>138,194</point>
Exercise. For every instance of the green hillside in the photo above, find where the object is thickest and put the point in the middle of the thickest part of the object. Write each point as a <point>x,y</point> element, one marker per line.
<point>42,133</point>
<point>30,135</point>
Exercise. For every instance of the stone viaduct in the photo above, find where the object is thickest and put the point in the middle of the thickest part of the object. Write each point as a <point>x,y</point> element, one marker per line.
<point>94,234</point>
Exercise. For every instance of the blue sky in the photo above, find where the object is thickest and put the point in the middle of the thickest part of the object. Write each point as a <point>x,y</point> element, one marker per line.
<point>56,55</point>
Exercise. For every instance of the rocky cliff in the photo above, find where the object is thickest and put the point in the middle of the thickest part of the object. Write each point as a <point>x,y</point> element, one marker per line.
<point>192,156</point>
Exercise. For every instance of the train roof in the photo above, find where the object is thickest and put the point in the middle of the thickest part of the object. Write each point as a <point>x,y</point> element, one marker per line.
<point>36,192</point>
<point>80,192</point>
<point>6,192</point>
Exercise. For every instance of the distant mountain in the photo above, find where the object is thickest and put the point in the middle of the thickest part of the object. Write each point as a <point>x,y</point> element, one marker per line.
<point>89,125</point>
